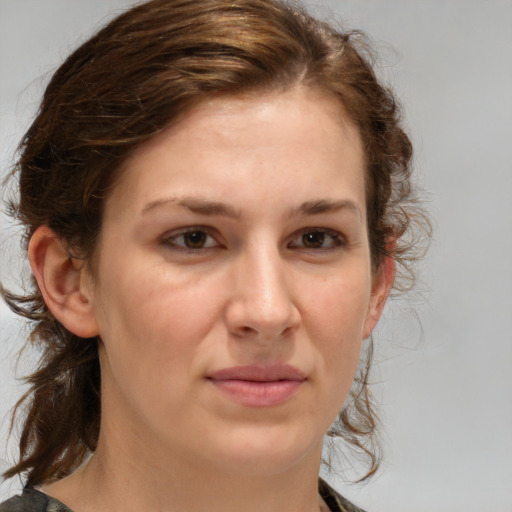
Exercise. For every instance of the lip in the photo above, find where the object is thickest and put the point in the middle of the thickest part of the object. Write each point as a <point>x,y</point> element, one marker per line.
<point>259,386</point>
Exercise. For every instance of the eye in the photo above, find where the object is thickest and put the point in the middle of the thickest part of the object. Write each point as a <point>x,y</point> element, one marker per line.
<point>191,239</point>
<point>322,239</point>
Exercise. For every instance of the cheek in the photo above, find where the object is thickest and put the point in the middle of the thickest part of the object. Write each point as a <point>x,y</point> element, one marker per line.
<point>149,343</point>
<point>339,307</point>
<point>153,320</point>
<point>335,322</point>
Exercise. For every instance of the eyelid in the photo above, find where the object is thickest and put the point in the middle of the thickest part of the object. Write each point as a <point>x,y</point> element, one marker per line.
<point>168,240</point>
<point>338,239</point>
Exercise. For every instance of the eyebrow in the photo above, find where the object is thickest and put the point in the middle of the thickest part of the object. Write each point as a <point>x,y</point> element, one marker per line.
<point>196,205</point>
<point>217,208</point>
<point>326,206</point>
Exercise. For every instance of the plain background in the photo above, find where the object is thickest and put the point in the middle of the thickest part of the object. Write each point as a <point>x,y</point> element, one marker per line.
<point>444,353</point>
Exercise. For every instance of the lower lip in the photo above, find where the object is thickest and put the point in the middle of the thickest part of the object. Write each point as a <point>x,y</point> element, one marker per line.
<point>259,394</point>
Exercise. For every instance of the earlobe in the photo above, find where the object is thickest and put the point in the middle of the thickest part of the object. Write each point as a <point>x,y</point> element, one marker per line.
<point>381,288</point>
<point>66,289</point>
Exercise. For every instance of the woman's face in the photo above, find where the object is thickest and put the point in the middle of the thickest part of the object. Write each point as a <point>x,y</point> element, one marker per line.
<point>234,286</point>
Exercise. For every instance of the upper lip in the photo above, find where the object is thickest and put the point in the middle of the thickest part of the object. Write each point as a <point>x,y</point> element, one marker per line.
<point>257,373</point>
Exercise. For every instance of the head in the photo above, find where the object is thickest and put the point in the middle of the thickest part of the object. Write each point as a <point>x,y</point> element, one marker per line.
<point>145,73</point>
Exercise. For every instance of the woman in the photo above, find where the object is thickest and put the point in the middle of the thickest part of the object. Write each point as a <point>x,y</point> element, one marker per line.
<point>216,196</point>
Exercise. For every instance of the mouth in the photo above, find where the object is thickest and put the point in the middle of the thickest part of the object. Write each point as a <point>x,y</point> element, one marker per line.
<point>259,386</point>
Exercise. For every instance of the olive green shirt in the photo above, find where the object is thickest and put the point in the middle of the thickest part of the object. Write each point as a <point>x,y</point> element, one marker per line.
<point>32,500</point>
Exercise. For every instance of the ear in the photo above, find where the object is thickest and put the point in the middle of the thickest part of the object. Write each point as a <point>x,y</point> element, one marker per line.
<point>382,283</point>
<point>64,282</point>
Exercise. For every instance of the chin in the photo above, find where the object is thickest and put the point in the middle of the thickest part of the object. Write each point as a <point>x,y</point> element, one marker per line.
<point>267,453</point>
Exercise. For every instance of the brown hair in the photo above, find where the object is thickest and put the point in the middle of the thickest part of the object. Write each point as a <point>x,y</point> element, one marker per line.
<point>127,83</point>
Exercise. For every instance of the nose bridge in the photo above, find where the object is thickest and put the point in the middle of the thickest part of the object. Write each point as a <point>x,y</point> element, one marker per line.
<point>266,285</point>
<point>263,301</point>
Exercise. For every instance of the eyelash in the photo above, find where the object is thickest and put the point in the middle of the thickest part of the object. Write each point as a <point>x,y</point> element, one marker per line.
<point>336,240</point>
<point>171,239</point>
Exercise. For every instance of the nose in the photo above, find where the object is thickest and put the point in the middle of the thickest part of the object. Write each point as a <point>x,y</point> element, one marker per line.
<point>261,304</point>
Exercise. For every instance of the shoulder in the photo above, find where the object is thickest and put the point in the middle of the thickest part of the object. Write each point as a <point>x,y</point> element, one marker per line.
<point>335,501</point>
<point>33,501</point>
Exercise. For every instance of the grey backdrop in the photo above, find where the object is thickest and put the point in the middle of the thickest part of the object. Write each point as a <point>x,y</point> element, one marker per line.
<point>445,353</point>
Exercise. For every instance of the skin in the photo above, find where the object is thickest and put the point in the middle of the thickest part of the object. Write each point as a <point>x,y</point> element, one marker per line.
<point>277,270</point>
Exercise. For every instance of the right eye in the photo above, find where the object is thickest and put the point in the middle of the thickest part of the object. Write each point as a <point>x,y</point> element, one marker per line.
<point>191,239</point>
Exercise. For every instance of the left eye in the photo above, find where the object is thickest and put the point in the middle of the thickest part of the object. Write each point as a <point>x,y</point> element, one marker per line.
<point>317,239</point>
<point>192,239</point>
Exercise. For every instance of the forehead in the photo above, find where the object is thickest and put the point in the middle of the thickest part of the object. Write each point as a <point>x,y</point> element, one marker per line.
<point>301,107</point>
<point>294,141</point>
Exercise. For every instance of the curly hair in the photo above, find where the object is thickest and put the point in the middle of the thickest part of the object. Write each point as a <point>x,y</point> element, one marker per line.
<point>127,83</point>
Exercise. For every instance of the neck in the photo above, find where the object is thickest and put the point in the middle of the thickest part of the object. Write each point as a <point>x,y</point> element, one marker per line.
<point>117,479</point>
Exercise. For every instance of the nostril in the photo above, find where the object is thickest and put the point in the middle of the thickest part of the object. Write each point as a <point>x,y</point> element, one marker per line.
<point>287,331</point>
<point>245,331</point>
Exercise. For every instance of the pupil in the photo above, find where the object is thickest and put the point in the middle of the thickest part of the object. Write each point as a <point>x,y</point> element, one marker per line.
<point>313,239</point>
<point>195,239</point>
